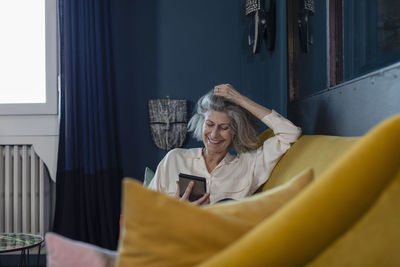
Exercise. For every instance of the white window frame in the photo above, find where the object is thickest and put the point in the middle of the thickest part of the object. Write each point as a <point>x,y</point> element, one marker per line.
<point>38,124</point>
<point>50,107</point>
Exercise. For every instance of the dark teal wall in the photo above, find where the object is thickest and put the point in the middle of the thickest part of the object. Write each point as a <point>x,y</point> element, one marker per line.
<point>313,70</point>
<point>181,49</point>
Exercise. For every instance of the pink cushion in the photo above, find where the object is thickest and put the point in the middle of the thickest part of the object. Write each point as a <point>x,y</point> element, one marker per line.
<point>65,252</point>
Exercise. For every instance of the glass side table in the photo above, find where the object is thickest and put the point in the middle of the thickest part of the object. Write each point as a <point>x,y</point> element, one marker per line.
<point>20,242</point>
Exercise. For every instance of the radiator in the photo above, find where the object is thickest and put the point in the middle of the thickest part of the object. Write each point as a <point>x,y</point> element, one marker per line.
<point>24,189</point>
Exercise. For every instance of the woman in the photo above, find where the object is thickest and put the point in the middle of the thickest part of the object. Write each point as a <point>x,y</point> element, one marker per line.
<point>223,120</point>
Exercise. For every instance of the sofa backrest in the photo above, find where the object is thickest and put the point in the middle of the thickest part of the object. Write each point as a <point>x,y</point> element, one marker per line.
<point>315,151</point>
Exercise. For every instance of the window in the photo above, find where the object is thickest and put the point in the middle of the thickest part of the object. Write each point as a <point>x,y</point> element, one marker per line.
<point>371,35</point>
<point>28,52</point>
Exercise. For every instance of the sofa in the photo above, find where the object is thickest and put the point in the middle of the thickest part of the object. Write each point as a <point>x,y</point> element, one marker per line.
<point>348,216</point>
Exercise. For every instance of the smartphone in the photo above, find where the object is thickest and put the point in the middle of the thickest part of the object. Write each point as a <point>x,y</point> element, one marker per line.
<point>199,188</point>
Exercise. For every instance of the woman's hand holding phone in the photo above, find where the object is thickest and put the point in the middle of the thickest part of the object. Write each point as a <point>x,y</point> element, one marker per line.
<point>205,199</point>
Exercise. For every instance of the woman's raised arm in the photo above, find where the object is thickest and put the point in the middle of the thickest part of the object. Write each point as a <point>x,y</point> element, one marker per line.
<point>227,91</point>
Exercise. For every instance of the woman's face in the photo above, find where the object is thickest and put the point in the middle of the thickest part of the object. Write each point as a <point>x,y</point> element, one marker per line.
<point>217,134</point>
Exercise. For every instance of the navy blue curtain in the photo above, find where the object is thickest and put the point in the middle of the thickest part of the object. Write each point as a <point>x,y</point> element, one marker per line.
<point>88,188</point>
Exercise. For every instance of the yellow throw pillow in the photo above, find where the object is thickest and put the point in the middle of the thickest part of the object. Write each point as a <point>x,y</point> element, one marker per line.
<point>262,205</point>
<point>162,231</point>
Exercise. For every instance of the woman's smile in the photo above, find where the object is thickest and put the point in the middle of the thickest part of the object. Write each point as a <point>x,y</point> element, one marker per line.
<point>215,142</point>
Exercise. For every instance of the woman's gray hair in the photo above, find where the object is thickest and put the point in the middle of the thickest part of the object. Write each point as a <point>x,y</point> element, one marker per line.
<point>243,123</point>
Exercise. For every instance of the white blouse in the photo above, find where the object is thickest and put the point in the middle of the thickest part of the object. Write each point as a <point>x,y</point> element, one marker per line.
<point>236,176</point>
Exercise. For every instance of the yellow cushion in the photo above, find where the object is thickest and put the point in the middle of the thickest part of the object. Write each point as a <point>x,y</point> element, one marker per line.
<point>326,209</point>
<point>162,231</point>
<point>315,151</point>
<point>258,207</point>
<point>374,240</point>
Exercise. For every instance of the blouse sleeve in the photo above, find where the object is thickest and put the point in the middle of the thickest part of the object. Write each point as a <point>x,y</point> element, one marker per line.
<point>268,155</point>
<point>156,182</point>
<point>161,181</point>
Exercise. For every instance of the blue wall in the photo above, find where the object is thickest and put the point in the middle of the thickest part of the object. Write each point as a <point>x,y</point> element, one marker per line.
<point>181,49</point>
<point>313,70</point>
